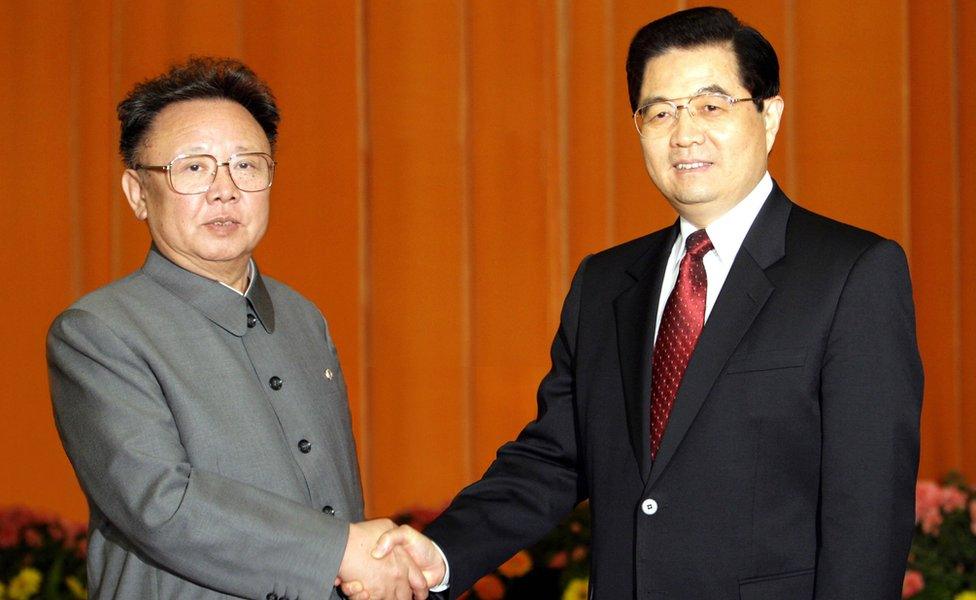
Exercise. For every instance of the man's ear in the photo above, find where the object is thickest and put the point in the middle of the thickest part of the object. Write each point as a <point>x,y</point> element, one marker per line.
<point>135,193</point>
<point>772,113</point>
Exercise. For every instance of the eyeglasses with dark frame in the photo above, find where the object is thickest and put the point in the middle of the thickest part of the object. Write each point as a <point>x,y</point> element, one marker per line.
<point>195,173</point>
<point>708,108</point>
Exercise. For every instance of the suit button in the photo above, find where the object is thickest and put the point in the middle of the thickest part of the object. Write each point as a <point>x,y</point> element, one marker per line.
<point>328,510</point>
<point>275,383</point>
<point>305,446</point>
<point>251,320</point>
<point>649,506</point>
<point>271,596</point>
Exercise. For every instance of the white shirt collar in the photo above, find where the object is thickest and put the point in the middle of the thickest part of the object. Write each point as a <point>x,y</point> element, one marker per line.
<point>250,279</point>
<point>728,231</point>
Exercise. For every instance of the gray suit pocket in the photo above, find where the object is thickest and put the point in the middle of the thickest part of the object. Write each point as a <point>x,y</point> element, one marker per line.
<point>767,360</point>
<point>794,585</point>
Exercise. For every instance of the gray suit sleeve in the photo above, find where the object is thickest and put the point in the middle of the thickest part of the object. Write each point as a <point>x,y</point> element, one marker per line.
<point>870,407</point>
<point>122,440</point>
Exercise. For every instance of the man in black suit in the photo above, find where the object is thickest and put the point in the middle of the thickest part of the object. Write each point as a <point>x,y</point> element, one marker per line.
<point>737,395</point>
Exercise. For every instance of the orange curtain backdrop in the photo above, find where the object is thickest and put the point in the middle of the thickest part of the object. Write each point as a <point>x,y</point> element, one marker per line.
<point>443,168</point>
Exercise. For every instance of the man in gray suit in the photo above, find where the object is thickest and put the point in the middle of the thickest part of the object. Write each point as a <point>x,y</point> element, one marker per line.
<point>201,403</point>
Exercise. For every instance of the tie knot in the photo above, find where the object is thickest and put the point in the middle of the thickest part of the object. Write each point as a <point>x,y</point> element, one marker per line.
<point>698,244</point>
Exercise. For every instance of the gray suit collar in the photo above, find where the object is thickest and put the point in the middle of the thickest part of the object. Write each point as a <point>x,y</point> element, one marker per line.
<point>260,300</point>
<point>218,303</point>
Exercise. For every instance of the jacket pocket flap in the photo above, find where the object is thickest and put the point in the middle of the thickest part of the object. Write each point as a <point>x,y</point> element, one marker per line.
<point>795,585</point>
<point>767,360</point>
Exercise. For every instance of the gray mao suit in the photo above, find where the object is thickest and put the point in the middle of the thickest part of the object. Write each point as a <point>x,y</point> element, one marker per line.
<point>211,435</point>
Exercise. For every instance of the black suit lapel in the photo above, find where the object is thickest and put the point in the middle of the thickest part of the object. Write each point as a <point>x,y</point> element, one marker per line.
<point>743,295</point>
<point>635,310</point>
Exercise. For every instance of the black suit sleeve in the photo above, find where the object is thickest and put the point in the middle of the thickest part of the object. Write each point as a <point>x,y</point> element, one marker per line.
<point>871,395</point>
<point>533,482</point>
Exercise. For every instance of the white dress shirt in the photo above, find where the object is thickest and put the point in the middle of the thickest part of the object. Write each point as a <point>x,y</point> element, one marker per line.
<point>727,233</point>
<point>250,271</point>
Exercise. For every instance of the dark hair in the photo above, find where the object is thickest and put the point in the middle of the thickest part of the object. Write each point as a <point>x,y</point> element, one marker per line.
<point>705,26</point>
<point>198,78</point>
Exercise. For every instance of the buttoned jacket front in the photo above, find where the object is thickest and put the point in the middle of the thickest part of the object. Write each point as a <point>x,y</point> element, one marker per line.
<point>211,435</point>
<point>787,468</point>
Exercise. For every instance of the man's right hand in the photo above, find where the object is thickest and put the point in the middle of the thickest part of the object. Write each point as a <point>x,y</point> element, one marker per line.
<point>378,578</point>
<point>419,547</point>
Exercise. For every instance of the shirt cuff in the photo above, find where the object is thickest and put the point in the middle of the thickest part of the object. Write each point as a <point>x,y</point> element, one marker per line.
<point>446,582</point>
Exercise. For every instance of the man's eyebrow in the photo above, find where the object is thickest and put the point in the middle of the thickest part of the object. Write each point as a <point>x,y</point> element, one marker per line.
<point>708,89</point>
<point>652,100</point>
<point>712,89</point>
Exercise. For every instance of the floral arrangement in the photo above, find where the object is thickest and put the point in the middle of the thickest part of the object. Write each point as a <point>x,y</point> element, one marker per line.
<point>41,556</point>
<point>942,563</point>
<point>555,567</point>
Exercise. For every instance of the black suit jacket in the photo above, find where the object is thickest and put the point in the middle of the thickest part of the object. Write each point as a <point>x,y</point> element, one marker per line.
<point>787,469</point>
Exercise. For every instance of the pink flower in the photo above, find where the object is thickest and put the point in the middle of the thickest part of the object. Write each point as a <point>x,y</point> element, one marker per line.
<point>9,536</point>
<point>558,560</point>
<point>82,550</point>
<point>74,530</point>
<point>913,584</point>
<point>33,538</point>
<point>952,498</point>
<point>12,520</point>
<point>579,553</point>
<point>928,498</point>
<point>931,522</point>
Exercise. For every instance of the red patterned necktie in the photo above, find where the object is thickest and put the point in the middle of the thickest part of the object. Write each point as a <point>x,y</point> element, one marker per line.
<point>681,324</point>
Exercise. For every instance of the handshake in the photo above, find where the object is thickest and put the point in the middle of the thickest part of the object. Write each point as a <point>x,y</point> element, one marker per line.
<point>385,561</point>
